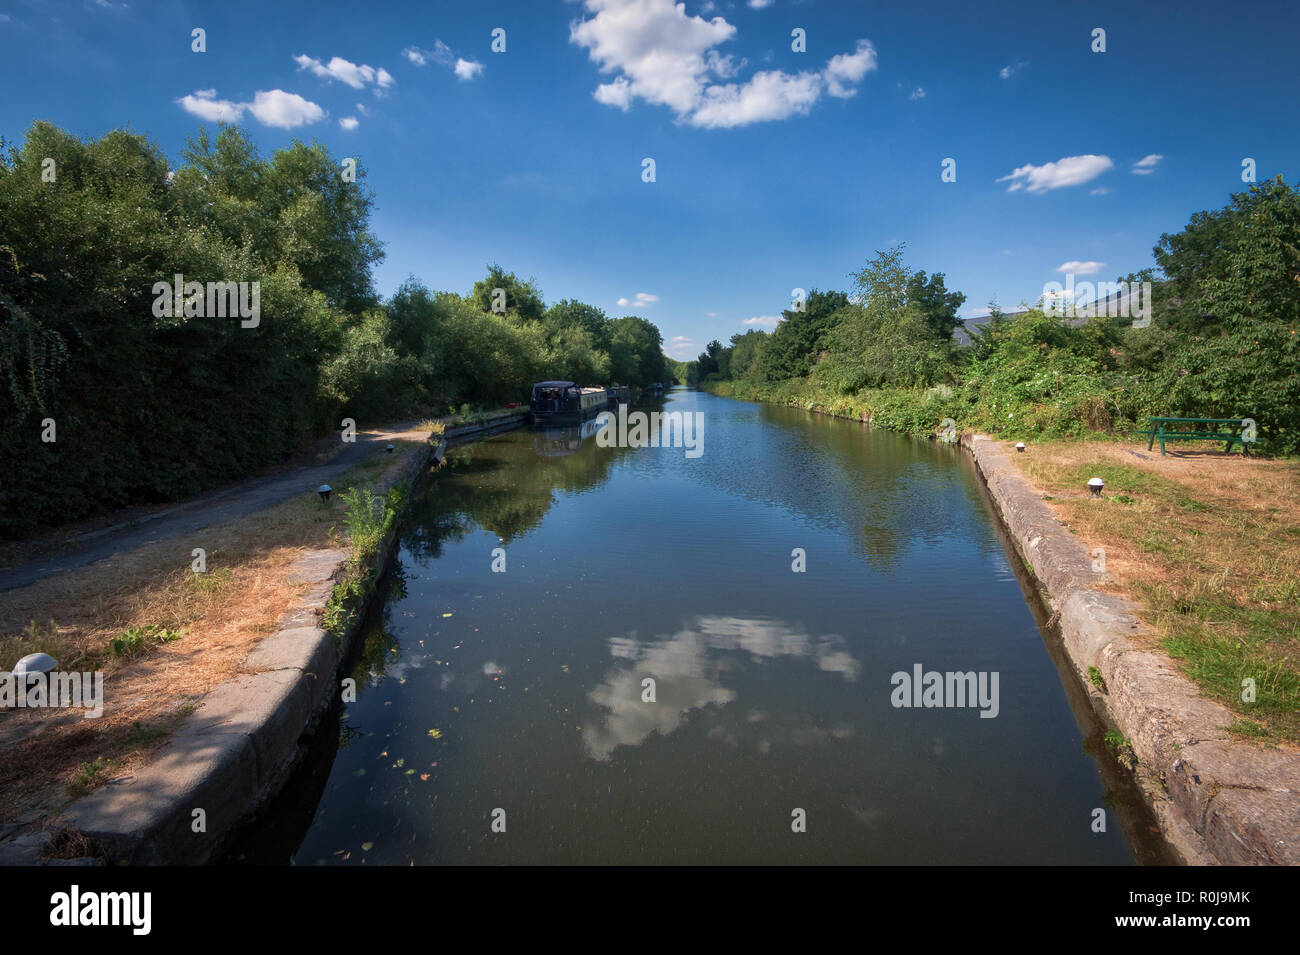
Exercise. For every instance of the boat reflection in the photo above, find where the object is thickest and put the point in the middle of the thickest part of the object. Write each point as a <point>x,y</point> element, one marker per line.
<point>557,442</point>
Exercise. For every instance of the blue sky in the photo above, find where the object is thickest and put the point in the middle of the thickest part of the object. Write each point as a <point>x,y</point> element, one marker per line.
<point>775,169</point>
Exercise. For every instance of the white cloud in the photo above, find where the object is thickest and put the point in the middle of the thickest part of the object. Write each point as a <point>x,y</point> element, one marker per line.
<point>768,96</point>
<point>848,68</point>
<point>1068,171</point>
<point>271,107</point>
<point>467,69</point>
<point>617,93</point>
<point>357,76</point>
<point>654,52</point>
<point>205,105</point>
<point>769,321</point>
<point>681,347</point>
<point>5,18</point>
<point>1010,70</point>
<point>1082,268</point>
<point>442,55</point>
<point>349,122</point>
<point>1147,164</point>
<point>760,4</point>
<point>711,314</point>
<point>363,109</point>
<point>1099,191</point>
<point>642,298</point>
<point>284,110</point>
<point>918,93</point>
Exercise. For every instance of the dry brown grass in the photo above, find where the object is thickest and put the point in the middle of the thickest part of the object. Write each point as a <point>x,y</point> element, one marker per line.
<point>222,615</point>
<point>1207,545</point>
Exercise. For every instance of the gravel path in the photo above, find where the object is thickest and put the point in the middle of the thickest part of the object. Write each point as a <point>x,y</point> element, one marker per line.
<point>215,507</point>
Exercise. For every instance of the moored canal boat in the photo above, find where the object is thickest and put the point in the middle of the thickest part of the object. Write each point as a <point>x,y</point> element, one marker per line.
<point>563,401</point>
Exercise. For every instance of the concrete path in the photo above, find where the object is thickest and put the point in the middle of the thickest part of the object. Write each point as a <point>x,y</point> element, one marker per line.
<point>215,507</point>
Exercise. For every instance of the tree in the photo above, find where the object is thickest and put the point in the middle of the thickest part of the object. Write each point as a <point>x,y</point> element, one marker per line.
<point>801,336</point>
<point>936,306</point>
<point>884,337</point>
<point>569,313</point>
<point>707,363</point>
<point>523,299</point>
<point>1233,310</point>
<point>746,353</point>
<point>295,210</point>
<point>636,352</point>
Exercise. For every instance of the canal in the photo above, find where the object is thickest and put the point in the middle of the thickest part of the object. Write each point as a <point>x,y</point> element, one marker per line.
<point>632,655</point>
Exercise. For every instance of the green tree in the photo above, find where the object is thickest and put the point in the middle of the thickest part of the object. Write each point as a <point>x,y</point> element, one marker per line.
<point>1232,311</point>
<point>796,344</point>
<point>747,353</point>
<point>522,298</point>
<point>936,306</point>
<point>636,352</point>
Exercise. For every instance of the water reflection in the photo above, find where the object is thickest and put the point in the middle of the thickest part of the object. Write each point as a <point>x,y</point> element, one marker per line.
<point>558,442</point>
<point>688,669</point>
<point>524,689</point>
<point>505,486</point>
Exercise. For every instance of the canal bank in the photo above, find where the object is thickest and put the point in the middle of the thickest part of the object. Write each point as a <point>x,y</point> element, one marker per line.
<point>1218,799</point>
<point>250,734</point>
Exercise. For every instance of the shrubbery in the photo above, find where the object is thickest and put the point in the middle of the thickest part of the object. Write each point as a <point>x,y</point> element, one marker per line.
<point>149,408</point>
<point>1224,342</point>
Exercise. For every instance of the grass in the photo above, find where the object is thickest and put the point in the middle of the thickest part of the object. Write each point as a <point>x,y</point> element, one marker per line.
<point>466,415</point>
<point>1207,546</point>
<point>139,640</point>
<point>90,775</point>
<point>369,518</point>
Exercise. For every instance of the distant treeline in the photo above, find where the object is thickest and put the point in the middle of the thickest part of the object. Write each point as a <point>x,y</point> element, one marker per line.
<point>115,390</point>
<point>1223,342</point>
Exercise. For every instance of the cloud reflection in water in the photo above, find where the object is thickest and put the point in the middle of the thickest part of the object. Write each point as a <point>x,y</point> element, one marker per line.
<point>687,668</point>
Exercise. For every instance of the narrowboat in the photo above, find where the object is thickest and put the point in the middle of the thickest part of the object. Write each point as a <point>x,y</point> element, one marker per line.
<point>565,401</point>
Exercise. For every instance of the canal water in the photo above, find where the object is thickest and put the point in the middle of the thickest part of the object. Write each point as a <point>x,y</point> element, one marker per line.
<point>545,579</point>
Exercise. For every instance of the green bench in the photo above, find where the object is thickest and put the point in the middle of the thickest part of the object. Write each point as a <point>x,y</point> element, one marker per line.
<point>1173,429</point>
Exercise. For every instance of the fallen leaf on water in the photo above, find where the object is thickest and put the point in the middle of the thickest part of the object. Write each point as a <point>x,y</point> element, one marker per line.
<point>424,777</point>
<point>436,733</point>
<point>446,615</point>
<point>367,846</point>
